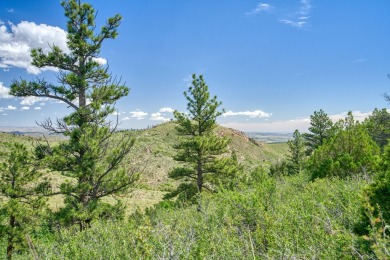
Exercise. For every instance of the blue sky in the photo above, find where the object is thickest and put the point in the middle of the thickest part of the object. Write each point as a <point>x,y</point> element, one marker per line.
<point>272,63</point>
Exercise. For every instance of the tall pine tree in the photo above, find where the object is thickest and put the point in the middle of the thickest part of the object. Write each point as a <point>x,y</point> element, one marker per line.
<point>296,147</point>
<point>94,155</point>
<point>320,130</point>
<point>199,145</point>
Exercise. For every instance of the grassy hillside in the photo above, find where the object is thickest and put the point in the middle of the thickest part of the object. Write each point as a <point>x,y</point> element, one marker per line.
<point>152,155</point>
<point>155,147</point>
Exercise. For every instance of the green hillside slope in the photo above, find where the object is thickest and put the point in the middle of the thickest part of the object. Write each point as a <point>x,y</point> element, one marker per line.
<point>152,156</point>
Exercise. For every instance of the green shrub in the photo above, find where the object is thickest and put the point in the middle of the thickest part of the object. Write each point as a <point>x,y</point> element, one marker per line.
<point>288,217</point>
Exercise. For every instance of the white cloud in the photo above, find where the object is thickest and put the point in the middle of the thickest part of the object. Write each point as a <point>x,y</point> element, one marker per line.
<point>16,44</point>
<point>26,101</point>
<point>24,108</point>
<point>4,92</point>
<point>10,108</point>
<point>125,118</point>
<point>10,10</point>
<point>100,60</point>
<point>139,115</point>
<point>166,110</point>
<point>300,19</point>
<point>299,24</point>
<point>75,101</point>
<point>5,114</point>
<point>261,7</point>
<point>289,126</point>
<point>357,115</point>
<point>159,117</point>
<point>116,113</point>
<point>37,108</point>
<point>251,114</point>
<point>31,100</point>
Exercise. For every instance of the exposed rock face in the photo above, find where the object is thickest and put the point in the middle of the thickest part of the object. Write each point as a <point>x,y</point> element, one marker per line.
<point>234,132</point>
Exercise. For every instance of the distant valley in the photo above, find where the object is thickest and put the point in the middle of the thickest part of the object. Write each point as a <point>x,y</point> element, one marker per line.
<point>263,137</point>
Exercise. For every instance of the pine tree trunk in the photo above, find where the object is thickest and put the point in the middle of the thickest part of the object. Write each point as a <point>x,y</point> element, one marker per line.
<point>82,100</point>
<point>200,181</point>
<point>10,245</point>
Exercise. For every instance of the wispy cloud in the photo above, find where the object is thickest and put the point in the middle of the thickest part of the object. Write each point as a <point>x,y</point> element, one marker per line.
<point>139,115</point>
<point>251,114</point>
<point>360,60</point>
<point>300,19</point>
<point>299,24</point>
<point>10,10</point>
<point>24,108</point>
<point>261,7</point>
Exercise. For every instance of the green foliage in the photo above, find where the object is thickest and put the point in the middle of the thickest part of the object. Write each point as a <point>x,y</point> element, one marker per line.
<point>199,145</point>
<point>268,218</point>
<point>349,152</point>
<point>93,156</point>
<point>279,168</point>
<point>375,217</point>
<point>101,171</point>
<point>320,130</point>
<point>296,157</point>
<point>378,191</point>
<point>228,172</point>
<point>21,199</point>
<point>378,126</point>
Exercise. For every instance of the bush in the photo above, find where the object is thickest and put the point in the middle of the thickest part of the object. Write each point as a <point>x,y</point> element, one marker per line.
<point>288,217</point>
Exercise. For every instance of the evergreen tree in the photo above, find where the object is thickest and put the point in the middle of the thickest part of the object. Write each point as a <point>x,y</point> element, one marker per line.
<point>348,152</point>
<point>199,145</point>
<point>94,155</point>
<point>296,148</point>
<point>378,126</point>
<point>320,130</point>
<point>21,187</point>
<point>228,172</point>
